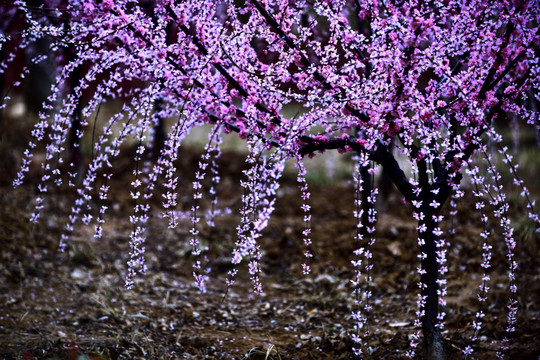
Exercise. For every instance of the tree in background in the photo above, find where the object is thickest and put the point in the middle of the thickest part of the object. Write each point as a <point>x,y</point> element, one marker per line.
<point>429,79</point>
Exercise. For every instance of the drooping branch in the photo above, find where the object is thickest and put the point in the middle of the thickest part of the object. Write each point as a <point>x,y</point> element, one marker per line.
<point>234,83</point>
<point>197,83</point>
<point>381,156</point>
<point>303,58</point>
<point>488,83</point>
<point>472,146</point>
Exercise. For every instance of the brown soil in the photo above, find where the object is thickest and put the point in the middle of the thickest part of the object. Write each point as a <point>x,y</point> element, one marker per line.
<point>74,305</point>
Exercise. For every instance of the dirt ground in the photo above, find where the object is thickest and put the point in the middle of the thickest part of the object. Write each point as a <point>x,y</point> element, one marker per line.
<point>74,305</point>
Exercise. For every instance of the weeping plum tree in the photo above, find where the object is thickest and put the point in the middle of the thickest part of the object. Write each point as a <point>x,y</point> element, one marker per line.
<point>420,81</point>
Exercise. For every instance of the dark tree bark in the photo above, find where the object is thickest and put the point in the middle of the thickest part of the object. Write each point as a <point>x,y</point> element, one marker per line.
<point>160,134</point>
<point>367,186</point>
<point>434,346</point>
<point>385,183</point>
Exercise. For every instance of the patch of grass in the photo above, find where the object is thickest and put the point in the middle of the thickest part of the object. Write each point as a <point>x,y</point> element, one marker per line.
<point>83,254</point>
<point>259,353</point>
<point>527,234</point>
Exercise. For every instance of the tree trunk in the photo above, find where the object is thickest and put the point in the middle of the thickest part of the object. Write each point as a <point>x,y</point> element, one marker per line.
<point>434,346</point>
<point>431,204</point>
<point>367,187</point>
<point>160,134</point>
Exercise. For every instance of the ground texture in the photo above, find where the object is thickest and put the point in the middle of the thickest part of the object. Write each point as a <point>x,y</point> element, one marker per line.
<point>74,305</point>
